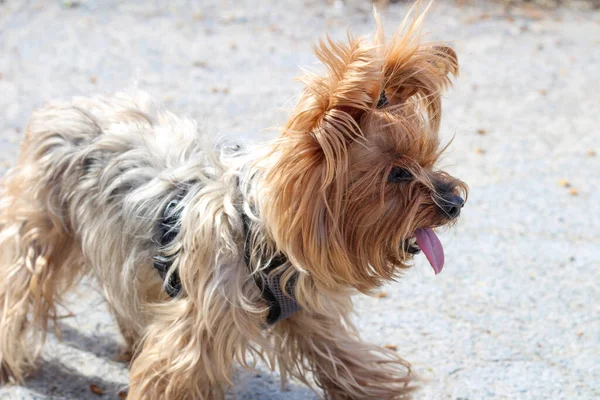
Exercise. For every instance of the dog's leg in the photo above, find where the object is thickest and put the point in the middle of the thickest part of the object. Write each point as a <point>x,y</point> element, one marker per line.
<point>342,365</point>
<point>131,337</point>
<point>187,354</point>
<point>33,251</point>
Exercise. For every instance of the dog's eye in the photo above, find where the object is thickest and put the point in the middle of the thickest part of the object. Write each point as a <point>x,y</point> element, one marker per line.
<point>399,174</point>
<point>383,100</point>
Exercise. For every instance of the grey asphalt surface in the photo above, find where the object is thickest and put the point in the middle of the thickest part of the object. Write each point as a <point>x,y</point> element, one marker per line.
<point>514,315</point>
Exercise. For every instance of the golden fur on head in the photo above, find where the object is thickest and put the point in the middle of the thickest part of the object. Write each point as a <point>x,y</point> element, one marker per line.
<point>330,207</point>
<point>95,177</point>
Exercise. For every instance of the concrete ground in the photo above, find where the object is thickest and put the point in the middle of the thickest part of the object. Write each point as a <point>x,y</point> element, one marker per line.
<point>515,313</point>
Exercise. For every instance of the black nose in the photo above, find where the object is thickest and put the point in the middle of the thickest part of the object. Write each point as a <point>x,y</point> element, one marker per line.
<point>451,205</point>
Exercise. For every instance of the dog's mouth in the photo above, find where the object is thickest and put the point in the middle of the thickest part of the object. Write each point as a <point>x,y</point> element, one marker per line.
<point>426,240</point>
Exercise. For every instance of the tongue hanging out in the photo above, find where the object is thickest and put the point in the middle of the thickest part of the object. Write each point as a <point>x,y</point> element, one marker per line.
<point>431,247</point>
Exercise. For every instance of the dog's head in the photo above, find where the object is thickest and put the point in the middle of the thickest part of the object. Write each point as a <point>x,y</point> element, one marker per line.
<point>354,192</point>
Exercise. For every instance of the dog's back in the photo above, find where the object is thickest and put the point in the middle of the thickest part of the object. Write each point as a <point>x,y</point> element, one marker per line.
<point>93,177</point>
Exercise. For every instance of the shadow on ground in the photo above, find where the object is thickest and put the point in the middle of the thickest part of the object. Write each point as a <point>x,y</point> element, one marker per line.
<point>57,380</point>
<point>100,345</point>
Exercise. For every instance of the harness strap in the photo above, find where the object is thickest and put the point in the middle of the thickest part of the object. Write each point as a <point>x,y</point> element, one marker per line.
<point>281,305</point>
<point>168,230</point>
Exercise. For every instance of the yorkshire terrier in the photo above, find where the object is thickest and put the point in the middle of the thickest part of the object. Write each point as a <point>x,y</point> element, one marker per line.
<point>212,255</point>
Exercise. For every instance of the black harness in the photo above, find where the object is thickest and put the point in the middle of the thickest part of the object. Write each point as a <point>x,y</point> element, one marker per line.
<point>281,305</point>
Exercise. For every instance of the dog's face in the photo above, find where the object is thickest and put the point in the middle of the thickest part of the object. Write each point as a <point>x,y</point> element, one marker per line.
<point>354,193</point>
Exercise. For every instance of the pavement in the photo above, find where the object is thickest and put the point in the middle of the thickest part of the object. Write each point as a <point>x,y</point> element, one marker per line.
<point>514,315</point>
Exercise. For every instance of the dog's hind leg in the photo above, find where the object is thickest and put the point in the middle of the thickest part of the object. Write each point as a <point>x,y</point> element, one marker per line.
<point>131,337</point>
<point>34,253</point>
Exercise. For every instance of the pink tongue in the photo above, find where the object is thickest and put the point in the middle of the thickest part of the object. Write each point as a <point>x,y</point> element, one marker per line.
<point>431,247</point>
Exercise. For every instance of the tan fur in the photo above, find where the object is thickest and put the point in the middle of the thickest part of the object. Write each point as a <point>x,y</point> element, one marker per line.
<point>95,175</point>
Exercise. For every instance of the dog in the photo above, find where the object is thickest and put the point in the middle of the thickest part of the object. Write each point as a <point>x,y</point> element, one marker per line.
<point>211,254</point>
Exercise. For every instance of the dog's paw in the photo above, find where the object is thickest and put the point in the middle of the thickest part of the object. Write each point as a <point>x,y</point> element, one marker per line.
<point>6,375</point>
<point>125,356</point>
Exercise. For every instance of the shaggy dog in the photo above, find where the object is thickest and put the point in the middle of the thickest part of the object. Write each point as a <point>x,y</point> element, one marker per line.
<point>211,254</point>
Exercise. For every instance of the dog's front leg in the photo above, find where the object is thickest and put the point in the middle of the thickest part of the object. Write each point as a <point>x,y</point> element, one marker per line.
<point>343,366</point>
<point>185,355</point>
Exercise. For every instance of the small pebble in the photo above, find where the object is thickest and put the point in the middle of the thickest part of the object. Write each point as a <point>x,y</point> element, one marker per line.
<point>381,295</point>
<point>591,153</point>
<point>96,390</point>
<point>93,79</point>
<point>479,150</point>
<point>70,4</point>
<point>564,183</point>
<point>481,131</point>
<point>478,18</point>
<point>573,192</point>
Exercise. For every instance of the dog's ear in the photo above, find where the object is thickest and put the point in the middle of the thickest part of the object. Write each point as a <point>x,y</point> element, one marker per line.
<point>418,72</point>
<point>332,104</point>
<point>326,119</point>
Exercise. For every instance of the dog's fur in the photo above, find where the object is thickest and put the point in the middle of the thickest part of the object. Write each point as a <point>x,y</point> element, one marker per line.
<point>95,176</point>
